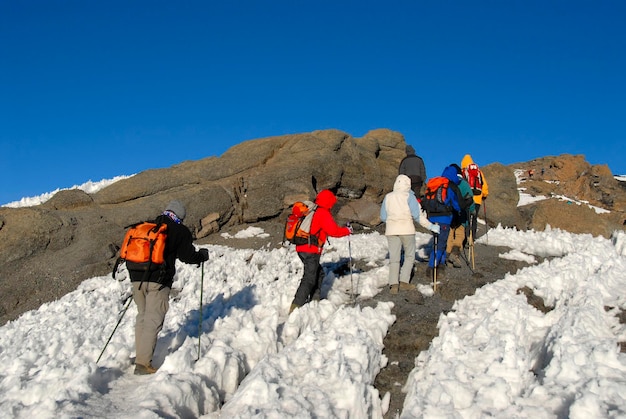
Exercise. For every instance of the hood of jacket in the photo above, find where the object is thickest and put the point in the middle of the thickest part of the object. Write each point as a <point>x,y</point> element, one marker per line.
<point>325,199</point>
<point>467,160</point>
<point>451,173</point>
<point>402,184</point>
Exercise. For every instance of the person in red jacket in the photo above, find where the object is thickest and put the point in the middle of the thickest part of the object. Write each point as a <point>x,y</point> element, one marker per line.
<point>322,226</point>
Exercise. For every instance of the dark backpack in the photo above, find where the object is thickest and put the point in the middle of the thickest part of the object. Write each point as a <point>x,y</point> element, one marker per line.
<point>465,201</point>
<point>435,196</point>
<point>143,247</point>
<point>473,176</point>
<point>298,224</point>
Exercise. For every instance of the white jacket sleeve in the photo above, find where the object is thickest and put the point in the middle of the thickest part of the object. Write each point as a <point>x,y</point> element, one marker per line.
<point>417,213</point>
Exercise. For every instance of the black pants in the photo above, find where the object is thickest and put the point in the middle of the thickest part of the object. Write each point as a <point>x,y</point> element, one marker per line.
<point>311,278</point>
<point>474,221</point>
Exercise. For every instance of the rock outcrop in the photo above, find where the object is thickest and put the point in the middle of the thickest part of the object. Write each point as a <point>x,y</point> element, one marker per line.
<point>584,198</point>
<point>47,250</point>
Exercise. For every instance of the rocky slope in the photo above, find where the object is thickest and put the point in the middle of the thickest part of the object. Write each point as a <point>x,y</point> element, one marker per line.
<point>47,250</point>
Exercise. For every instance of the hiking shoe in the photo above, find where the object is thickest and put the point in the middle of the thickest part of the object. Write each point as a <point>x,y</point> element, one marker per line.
<point>144,369</point>
<point>316,295</point>
<point>454,260</point>
<point>429,273</point>
<point>405,286</point>
<point>393,289</point>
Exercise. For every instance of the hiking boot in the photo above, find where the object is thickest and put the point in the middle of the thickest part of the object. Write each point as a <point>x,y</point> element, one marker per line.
<point>454,260</point>
<point>405,286</point>
<point>144,369</point>
<point>441,272</point>
<point>393,289</point>
<point>316,295</point>
<point>429,273</point>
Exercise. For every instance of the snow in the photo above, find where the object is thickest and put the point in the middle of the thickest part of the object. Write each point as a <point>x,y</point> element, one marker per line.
<point>89,187</point>
<point>495,355</point>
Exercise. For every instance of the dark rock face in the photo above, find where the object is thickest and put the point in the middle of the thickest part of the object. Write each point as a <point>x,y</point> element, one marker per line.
<point>47,250</point>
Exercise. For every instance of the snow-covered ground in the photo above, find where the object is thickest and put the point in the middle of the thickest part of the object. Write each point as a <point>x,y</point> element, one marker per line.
<point>237,354</point>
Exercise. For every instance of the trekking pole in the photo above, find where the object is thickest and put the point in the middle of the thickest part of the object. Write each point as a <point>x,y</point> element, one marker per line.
<point>471,241</point>
<point>435,238</point>
<point>467,262</point>
<point>352,296</point>
<point>127,302</point>
<point>486,225</point>
<point>200,322</point>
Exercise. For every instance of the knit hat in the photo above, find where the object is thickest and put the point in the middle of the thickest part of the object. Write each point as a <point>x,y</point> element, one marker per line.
<point>410,150</point>
<point>177,208</point>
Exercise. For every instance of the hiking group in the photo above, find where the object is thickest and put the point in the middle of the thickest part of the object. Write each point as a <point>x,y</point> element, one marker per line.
<point>445,205</point>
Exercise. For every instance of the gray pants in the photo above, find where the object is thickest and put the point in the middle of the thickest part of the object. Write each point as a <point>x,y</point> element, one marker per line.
<point>152,304</point>
<point>396,245</point>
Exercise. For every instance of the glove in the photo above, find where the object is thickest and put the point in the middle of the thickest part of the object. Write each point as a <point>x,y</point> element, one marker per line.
<point>435,228</point>
<point>204,254</point>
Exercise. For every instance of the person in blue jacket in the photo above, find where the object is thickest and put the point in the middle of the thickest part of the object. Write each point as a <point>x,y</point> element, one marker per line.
<point>444,218</point>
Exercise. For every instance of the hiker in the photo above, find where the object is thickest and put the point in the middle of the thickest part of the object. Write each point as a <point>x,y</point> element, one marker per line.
<point>322,226</point>
<point>399,209</point>
<point>443,217</point>
<point>412,165</point>
<point>479,194</point>
<point>460,221</point>
<point>151,292</point>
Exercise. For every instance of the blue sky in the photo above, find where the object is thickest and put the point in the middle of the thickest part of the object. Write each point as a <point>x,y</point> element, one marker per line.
<point>92,90</point>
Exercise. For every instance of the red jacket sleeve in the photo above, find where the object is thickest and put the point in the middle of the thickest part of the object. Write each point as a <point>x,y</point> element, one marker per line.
<point>323,226</point>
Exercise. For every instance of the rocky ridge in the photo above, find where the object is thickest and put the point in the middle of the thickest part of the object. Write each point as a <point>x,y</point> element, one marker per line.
<point>47,250</point>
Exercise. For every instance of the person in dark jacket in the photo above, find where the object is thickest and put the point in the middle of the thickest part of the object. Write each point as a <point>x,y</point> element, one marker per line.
<point>322,226</point>
<point>151,292</point>
<point>413,166</point>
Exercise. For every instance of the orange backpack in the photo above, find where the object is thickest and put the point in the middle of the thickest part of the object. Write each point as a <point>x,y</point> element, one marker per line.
<point>298,224</point>
<point>144,246</point>
<point>435,196</point>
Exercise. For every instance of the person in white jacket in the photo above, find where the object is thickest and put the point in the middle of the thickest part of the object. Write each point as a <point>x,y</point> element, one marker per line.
<point>399,210</point>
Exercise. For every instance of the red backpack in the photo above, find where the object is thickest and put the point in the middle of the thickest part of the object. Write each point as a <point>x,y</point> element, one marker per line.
<point>473,176</point>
